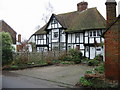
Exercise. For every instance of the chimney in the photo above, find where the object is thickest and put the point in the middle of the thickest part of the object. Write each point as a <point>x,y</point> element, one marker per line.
<point>19,37</point>
<point>82,6</point>
<point>110,11</point>
<point>119,8</point>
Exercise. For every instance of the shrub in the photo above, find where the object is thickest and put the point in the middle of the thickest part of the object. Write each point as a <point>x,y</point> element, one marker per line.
<point>67,58</point>
<point>93,62</point>
<point>89,72</point>
<point>84,82</point>
<point>100,69</point>
<point>75,53</point>
<point>20,60</point>
<point>7,48</point>
<point>77,60</point>
<point>99,57</point>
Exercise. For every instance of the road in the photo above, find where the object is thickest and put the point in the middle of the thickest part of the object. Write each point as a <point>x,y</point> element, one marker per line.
<point>63,76</point>
<point>13,80</point>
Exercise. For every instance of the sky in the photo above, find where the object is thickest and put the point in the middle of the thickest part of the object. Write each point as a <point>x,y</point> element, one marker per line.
<point>24,16</point>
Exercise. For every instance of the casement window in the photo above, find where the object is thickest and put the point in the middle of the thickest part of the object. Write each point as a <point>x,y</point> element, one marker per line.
<point>90,33</point>
<point>41,36</point>
<point>94,33</point>
<point>55,34</point>
<point>98,33</point>
<point>77,35</point>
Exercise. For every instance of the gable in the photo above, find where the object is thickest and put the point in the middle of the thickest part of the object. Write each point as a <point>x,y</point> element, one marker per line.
<point>53,23</point>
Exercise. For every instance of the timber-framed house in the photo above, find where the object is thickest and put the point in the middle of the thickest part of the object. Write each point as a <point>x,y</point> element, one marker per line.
<point>81,29</point>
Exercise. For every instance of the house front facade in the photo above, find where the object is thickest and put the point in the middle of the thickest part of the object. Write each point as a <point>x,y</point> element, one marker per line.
<point>80,30</point>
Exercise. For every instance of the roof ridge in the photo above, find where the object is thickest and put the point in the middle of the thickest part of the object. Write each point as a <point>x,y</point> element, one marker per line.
<point>76,11</point>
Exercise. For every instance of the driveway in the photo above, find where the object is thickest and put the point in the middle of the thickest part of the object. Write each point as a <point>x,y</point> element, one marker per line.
<point>65,74</point>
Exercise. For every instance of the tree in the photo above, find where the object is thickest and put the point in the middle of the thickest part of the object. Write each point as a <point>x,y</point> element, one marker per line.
<point>7,48</point>
<point>48,13</point>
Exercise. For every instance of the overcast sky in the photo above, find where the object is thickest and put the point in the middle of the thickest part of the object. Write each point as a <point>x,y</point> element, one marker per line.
<point>25,15</point>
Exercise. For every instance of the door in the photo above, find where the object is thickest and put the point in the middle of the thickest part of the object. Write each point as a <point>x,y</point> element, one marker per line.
<point>92,52</point>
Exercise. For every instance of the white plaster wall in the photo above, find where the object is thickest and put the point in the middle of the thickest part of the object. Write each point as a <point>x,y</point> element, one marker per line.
<point>81,37</point>
<point>73,38</point>
<point>62,38</point>
<point>49,26</point>
<point>86,39</point>
<point>86,33</point>
<point>69,38</point>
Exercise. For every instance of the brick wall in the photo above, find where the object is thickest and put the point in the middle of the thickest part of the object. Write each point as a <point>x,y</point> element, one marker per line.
<point>112,55</point>
<point>6,28</point>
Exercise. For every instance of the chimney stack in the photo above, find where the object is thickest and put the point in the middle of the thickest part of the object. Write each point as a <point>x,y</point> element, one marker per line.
<point>19,38</point>
<point>82,6</point>
<point>110,11</point>
<point>119,8</point>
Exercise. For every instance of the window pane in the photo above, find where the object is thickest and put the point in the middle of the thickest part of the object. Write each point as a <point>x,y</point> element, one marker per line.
<point>94,33</point>
<point>90,33</point>
<point>98,33</point>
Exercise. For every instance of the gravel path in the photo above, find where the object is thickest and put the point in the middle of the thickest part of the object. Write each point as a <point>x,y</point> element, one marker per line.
<point>67,74</point>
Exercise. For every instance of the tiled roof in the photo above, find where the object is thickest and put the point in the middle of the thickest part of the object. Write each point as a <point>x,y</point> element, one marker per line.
<point>78,21</point>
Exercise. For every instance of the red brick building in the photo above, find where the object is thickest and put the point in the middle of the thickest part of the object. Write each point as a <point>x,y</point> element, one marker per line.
<point>112,42</point>
<point>6,28</point>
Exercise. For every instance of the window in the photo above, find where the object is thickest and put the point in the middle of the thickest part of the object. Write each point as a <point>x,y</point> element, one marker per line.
<point>77,35</point>
<point>55,34</point>
<point>98,33</point>
<point>90,33</point>
<point>94,33</point>
<point>41,36</point>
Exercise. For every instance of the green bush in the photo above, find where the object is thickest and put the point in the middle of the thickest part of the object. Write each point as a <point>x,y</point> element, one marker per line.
<point>89,72</point>
<point>93,62</point>
<point>67,58</point>
<point>99,57</point>
<point>100,69</point>
<point>75,53</point>
<point>7,48</point>
<point>76,60</point>
<point>84,82</point>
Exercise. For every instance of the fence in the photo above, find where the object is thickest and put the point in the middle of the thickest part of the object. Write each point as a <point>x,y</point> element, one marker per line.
<point>23,57</point>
